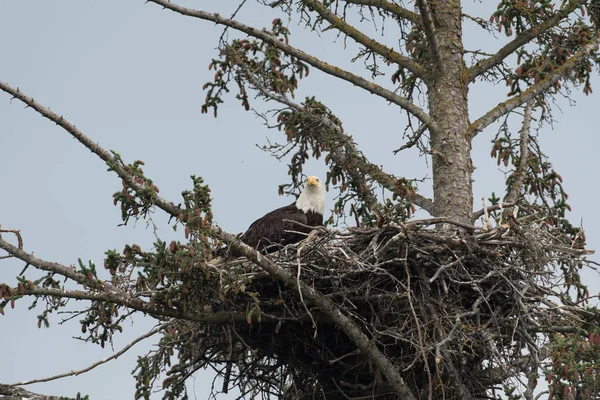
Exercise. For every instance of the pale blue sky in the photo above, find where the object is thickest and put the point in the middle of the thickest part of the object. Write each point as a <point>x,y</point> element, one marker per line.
<point>129,75</point>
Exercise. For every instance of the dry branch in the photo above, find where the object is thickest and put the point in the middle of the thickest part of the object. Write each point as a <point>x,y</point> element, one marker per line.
<point>479,213</point>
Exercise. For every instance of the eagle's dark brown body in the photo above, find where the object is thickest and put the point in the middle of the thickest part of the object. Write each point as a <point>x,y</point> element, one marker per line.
<point>281,229</point>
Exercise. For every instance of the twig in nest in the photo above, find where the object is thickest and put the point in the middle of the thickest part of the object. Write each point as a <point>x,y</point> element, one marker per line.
<point>439,220</point>
<point>494,207</point>
<point>298,253</point>
<point>487,222</point>
<point>457,323</point>
<point>418,324</point>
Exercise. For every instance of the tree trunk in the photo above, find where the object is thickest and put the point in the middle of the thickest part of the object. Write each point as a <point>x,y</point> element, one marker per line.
<point>448,94</point>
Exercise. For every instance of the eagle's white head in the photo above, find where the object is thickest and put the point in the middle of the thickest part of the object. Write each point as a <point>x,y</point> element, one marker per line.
<point>312,197</point>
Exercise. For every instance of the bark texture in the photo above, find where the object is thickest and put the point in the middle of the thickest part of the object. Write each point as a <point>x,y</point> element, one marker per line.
<point>448,94</point>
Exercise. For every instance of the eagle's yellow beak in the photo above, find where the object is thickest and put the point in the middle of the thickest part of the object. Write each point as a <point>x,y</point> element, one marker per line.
<point>313,180</point>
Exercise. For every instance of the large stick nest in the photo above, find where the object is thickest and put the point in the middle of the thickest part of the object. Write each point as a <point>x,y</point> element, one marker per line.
<point>457,312</point>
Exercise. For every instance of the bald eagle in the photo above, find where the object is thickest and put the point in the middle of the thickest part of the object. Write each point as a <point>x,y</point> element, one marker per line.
<point>289,224</point>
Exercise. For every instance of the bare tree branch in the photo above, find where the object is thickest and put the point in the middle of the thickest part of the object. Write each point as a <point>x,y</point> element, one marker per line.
<point>390,7</point>
<point>403,102</point>
<point>434,46</point>
<point>534,90</point>
<point>98,363</point>
<point>525,37</point>
<point>519,175</point>
<point>387,52</point>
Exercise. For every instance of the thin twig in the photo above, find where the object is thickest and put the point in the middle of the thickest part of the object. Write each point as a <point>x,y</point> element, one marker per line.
<point>412,140</point>
<point>233,15</point>
<point>98,363</point>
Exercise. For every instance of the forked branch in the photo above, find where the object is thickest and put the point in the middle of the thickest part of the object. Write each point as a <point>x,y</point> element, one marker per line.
<point>386,52</point>
<point>535,90</point>
<point>19,239</point>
